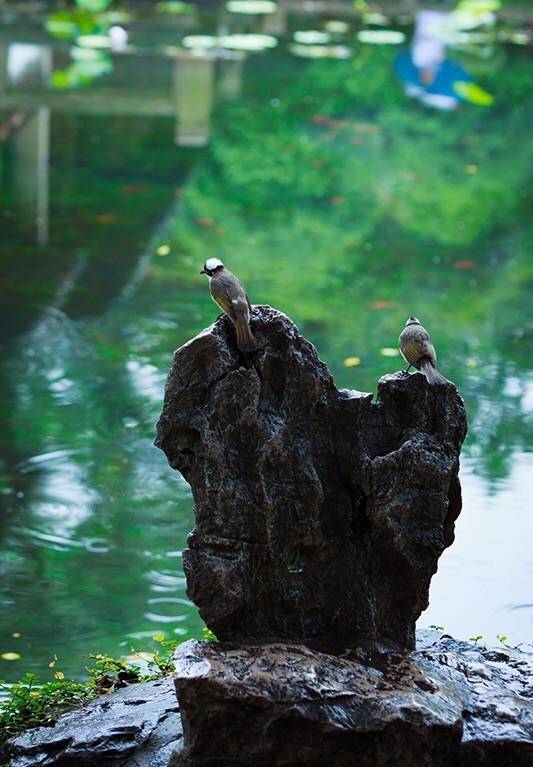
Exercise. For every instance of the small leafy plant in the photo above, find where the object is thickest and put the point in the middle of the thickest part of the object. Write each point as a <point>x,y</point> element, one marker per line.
<point>34,703</point>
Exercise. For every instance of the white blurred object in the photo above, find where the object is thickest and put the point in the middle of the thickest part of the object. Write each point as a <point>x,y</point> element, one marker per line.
<point>428,47</point>
<point>118,37</point>
<point>28,64</point>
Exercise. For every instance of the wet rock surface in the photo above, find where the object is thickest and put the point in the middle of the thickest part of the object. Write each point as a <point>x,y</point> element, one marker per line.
<point>138,726</point>
<point>320,515</point>
<point>448,704</point>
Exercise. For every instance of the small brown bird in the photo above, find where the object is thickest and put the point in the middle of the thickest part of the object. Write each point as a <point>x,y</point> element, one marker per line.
<point>227,291</point>
<point>417,350</point>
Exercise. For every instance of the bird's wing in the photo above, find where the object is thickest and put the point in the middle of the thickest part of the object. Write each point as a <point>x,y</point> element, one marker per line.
<point>426,347</point>
<point>230,297</point>
<point>411,351</point>
<point>220,296</point>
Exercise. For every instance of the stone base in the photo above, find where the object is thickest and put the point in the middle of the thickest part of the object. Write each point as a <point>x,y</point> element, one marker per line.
<point>449,704</point>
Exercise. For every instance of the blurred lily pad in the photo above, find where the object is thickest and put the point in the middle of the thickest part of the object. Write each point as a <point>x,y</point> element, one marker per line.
<point>311,37</point>
<point>174,6</point>
<point>93,5</point>
<point>251,6</point>
<point>381,36</point>
<point>94,41</point>
<point>200,41</point>
<point>65,25</point>
<point>321,51</point>
<point>336,27</point>
<point>249,42</point>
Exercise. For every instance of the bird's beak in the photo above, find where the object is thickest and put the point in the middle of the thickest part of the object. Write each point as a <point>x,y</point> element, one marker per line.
<point>203,271</point>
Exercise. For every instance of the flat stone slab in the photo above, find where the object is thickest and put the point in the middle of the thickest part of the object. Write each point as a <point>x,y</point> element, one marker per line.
<point>138,726</point>
<point>448,704</point>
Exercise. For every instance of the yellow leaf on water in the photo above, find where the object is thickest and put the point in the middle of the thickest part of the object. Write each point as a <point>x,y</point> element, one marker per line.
<point>389,351</point>
<point>10,656</point>
<point>158,637</point>
<point>59,675</point>
<point>472,362</point>
<point>351,362</point>
<point>16,635</point>
<point>163,250</point>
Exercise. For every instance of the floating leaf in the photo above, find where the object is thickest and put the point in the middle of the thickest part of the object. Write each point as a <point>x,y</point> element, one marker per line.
<point>59,675</point>
<point>472,362</point>
<point>163,250</point>
<point>465,264</point>
<point>106,218</point>
<point>158,637</point>
<point>471,169</point>
<point>378,305</point>
<point>10,656</point>
<point>16,635</point>
<point>389,351</point>
<point>351,362</point>
<point>132,188</point>
<point>206,221</point>
<point>329,122</point>
<point>337,200</point>
<point>367,127</point>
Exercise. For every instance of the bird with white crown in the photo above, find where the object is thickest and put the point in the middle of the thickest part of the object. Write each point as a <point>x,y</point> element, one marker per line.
<point>227,291</point>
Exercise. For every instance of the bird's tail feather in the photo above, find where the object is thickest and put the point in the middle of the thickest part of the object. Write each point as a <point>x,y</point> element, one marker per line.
<point>245,340</point>
<point>432,374</point>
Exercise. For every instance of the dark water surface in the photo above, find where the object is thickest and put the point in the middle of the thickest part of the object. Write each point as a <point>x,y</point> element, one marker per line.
<point>336,199</point>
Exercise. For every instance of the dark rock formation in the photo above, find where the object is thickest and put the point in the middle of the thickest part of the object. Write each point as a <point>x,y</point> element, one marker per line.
<point>139,726</point>
<point>449,704</point>
<point>320,515</point>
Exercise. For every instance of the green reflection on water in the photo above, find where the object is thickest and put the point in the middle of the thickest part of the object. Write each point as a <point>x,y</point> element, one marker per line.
<point>336,201</point>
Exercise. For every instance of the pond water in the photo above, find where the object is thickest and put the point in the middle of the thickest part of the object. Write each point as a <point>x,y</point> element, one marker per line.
<point>336,198</point>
